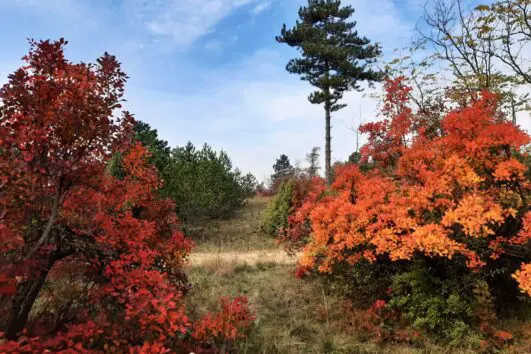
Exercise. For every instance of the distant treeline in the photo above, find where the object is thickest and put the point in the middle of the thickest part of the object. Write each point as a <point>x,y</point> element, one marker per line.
<point>202,182</point>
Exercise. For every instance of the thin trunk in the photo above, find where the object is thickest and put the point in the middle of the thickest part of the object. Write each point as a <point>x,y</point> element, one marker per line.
<point>57,201</point>
<point>328,138</point>
<point>328,149</point>
<point>23,301</point>
<point>513,110</point>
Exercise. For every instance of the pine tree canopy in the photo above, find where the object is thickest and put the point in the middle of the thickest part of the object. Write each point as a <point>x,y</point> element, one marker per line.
<point>334,59</point>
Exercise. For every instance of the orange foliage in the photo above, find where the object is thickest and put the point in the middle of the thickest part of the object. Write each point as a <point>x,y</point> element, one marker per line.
<point>510,170</point>
<point>442,196</point>
<point>523,277</point>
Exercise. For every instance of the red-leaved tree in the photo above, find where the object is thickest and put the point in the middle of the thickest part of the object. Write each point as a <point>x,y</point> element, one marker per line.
<point>67,217</point>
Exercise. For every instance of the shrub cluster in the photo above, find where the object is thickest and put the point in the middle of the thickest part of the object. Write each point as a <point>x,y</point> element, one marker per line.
<point>203,183</point>
<point>440,223</point>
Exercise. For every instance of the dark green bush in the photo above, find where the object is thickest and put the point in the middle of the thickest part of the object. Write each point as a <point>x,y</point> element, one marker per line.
<point>442,306</point>
<point>276,216</point>
<point>434,296</point>
<point>202,182</point>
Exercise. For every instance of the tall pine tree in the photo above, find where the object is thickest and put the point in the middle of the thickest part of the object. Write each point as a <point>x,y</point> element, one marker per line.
<point>334,59</point>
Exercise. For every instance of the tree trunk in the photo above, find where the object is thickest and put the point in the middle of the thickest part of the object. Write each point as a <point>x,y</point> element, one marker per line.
<point>328,138</point>
<point>328,148</point>
<point>57,201</point>
<point>23,301</point>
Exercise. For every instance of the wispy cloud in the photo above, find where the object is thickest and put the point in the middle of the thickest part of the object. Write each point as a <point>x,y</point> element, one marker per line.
<point>260,7</point>
<point>214,45</point>
<point>243,101</point>
<point>182,21</point>
<point>80,12</point>
<point>57,6</point>
<point>382,21</point>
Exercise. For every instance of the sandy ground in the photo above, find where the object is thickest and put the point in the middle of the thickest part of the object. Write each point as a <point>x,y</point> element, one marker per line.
<point>250,258</point>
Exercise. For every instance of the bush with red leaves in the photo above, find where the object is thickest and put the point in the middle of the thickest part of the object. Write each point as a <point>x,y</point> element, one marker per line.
<point>68,223</point>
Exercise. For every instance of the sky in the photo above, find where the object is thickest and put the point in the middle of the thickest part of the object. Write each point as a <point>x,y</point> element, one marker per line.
<point>210,70</point>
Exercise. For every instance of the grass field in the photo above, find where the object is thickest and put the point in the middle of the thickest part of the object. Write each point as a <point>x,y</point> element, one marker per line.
<point>234,258</point>
<point>240,233</point>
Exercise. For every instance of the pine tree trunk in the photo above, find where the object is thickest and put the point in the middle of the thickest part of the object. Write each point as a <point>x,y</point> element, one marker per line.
<point>23,301</point>
<point>328,138</point>
<point>328,148</point>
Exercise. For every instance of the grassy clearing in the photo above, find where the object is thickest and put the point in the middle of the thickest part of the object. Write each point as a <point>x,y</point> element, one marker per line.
<point>293,316</point>
<point>241,233</point>
<point>233,257</point>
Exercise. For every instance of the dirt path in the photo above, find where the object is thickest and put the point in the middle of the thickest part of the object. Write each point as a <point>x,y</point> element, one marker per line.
<point>278,256</point>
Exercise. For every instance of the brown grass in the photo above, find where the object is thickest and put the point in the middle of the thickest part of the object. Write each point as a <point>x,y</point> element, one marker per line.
<point>277,256</point>
<point>235,258</point>
<point>293,316</point>
<point>240,233</point>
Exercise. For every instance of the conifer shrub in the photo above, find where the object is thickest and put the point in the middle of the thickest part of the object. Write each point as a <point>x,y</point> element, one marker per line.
<point>276,216</point>
<point>290,196</point>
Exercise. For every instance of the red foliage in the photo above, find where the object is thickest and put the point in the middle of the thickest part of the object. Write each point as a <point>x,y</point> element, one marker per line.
<point>495,339</point>
<point>379,322</point>
<point>57,131</point>
<point>58,198</point>
<point>229,323</point>
<point>387,138</point>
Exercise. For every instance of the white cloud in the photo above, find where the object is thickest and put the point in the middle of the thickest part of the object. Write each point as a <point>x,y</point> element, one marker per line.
<point>381,21</point>
<point>260,7</point>
<point>183,21</point>
<point>78,12</point>
<point>58,6</point>
<point>254,112</point>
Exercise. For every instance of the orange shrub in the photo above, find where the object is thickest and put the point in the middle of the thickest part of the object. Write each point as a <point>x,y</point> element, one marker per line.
<point>461,196</point>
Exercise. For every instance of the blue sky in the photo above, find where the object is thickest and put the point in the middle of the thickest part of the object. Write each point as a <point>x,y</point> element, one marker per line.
<point>209,70</point>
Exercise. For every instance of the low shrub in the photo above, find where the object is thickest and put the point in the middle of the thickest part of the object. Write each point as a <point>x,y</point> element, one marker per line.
<point>276,216</point>
<point>442,306</point>
<point>290,196</point>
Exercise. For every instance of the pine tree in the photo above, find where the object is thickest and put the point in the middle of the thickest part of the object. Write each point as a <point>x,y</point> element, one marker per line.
<point>313,160</point>
<point>334,59</point>
<point>282,168</point>
<point>159,149</point>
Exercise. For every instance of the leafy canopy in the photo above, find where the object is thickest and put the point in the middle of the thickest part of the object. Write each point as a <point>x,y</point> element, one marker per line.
<point>64,219</point>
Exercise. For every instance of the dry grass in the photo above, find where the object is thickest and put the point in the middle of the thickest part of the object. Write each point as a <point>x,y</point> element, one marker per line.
<point>241,233</point>
<point>293,316</point>
<point>277,256</point>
